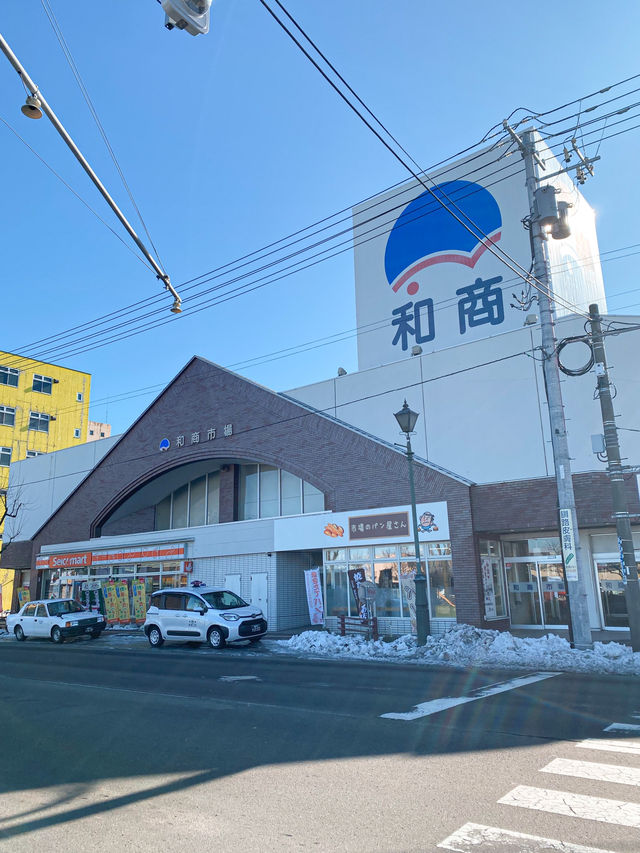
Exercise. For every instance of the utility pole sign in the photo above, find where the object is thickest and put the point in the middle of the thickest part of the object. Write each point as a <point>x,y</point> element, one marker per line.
<point>568,546</point>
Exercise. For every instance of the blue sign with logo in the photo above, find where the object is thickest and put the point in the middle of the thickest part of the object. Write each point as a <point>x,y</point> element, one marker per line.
<point>165,444</point>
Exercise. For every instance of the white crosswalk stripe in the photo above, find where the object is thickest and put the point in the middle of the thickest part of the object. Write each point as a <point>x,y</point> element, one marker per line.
<point>475,836</point>
<point>592,770</point>
<point>631,747</point>
<point>623,727</point>
<point>471,836</point>
<point>574,805</point>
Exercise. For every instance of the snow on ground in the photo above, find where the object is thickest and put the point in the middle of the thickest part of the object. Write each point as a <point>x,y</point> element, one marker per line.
<point>464,646</point>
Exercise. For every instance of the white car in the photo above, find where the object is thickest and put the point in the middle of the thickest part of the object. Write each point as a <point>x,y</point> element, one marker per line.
<point>54,619</point>
<point>202,614</point>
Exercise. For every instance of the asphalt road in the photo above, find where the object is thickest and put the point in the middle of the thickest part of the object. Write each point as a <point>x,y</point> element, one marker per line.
<point>115,746</point>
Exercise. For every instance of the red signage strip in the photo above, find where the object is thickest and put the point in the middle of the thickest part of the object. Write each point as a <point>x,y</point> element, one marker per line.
<point>126,555</point>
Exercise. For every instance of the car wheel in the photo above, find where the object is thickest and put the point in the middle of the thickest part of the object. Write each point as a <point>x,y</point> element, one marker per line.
<point>155,637</point>
<point>95,634</point>
<point>19,633</point>
<point>56,635</point>
<point>216,638</point>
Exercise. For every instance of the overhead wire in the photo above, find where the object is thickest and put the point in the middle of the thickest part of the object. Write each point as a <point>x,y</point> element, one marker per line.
<point>122,312</point>
<point>94,113</point>
<point>469,225</point>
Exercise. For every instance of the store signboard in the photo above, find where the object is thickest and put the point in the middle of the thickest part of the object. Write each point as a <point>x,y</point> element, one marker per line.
<point>313,583</point>
<point>140,554</point>
<point>137,554</point>
<point>340,529</point>
<point>430,256</point>
<point>568,545</point>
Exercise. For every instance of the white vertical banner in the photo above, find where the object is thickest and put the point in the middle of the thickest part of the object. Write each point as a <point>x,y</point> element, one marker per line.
<point>314,596</point>
<point>568,545</point>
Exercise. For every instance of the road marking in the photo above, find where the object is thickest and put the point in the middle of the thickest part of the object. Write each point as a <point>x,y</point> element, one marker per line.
<point>593,770</point>
<point>239,678</point>
<point>472,835</point>
<point>574,805</point>
<point>622,727</point>
<point>425,709</point>
<point>632,747</point>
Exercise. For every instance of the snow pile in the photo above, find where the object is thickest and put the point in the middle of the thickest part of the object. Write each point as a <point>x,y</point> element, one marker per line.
<point>464,645</point>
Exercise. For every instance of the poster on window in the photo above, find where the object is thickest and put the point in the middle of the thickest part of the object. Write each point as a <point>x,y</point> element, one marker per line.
<point>407,578</point>
<point>23,595</point>
<point>139,590</point>
<point>314,596</point>
<point>490,611</point>
<point>360,609</point>
<point>110,601</point>
<point>122,596</point>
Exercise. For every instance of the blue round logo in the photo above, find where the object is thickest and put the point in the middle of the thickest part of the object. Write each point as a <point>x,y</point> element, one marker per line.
<point>426,233</point>
<point>165,444</point>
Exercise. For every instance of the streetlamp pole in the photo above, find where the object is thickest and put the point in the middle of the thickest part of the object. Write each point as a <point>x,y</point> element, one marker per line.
<point>407,420</point>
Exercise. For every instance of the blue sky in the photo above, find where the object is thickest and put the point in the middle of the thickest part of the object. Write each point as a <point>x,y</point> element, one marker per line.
<point>233,140</point>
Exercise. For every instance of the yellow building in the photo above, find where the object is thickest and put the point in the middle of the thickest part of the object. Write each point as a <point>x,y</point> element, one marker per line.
<point>43,408</point>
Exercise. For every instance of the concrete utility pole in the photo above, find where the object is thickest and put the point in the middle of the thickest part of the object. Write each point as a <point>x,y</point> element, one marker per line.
<point>629,569</point>
<point>576,568</point>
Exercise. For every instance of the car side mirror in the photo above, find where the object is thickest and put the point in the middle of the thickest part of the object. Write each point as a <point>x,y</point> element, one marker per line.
<point>203,611</point>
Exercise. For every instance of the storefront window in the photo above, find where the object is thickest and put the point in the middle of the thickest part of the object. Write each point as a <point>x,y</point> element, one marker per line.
<point>443,597</point>
<point>387,589</point>
<point>313,498</point>
<point>180,507</point>
<point>163,514</point>
<point>359,554</point>
<point>543,547</point>
<point>495,601</point>
<point>336,590</point>
<point>197,500</point>
<point>269,497</point>
<point>290,494</point>
<point>393,579</point>
<point>335,555</point>
<point>385,552</point>
<point>612,594</point>
<point>438,549</point>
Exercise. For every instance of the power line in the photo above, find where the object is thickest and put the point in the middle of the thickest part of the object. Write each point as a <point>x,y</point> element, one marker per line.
<point>224,284</point>
<point>469,225</point>
<point>85,94</point>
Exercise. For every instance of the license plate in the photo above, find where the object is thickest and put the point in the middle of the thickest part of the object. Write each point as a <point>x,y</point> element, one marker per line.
<point>255,628</point>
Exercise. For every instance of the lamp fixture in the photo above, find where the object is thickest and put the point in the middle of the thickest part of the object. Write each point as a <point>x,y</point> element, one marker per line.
<point>32,108</point>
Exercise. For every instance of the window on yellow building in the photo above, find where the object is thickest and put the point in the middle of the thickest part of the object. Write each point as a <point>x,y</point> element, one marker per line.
<point>7,415</point>
<point>39,421</point>
<point>5,456</point>
<point>9,376</point>
<point>43,384</point>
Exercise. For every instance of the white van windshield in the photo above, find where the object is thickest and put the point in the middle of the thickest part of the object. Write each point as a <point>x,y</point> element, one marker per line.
<point>223,600</point>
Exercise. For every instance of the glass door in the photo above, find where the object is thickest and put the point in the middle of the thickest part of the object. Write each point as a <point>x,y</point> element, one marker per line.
<point>555,607</point>
<point>537,594</point>
<point>524,595</point>
<point>611,586</point>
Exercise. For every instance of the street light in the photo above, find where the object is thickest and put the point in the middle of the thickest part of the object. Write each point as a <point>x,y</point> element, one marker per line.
<point>406,421</point>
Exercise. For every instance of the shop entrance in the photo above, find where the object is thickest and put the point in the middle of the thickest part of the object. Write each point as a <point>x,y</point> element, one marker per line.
<point>613,602</point>
<point>537,594</point>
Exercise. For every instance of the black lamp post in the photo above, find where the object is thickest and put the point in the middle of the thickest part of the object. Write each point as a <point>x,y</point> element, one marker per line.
<point>406,421</point>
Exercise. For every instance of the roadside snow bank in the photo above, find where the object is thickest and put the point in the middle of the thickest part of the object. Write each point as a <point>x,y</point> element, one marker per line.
<point>464,645</point>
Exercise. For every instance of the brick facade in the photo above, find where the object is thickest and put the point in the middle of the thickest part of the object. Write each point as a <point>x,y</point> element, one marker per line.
<point>353,471</point>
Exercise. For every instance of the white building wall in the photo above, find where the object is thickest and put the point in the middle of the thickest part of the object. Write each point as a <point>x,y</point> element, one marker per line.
<point>483,414</point>
<point>42,483</point>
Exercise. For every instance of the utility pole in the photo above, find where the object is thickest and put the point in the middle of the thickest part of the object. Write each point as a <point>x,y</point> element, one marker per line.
<point>576,568</point>
<point>629,569</point>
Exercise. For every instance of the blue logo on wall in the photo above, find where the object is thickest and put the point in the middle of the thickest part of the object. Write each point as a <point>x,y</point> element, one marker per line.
<point>425,233</point>
<point>165,444</point>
